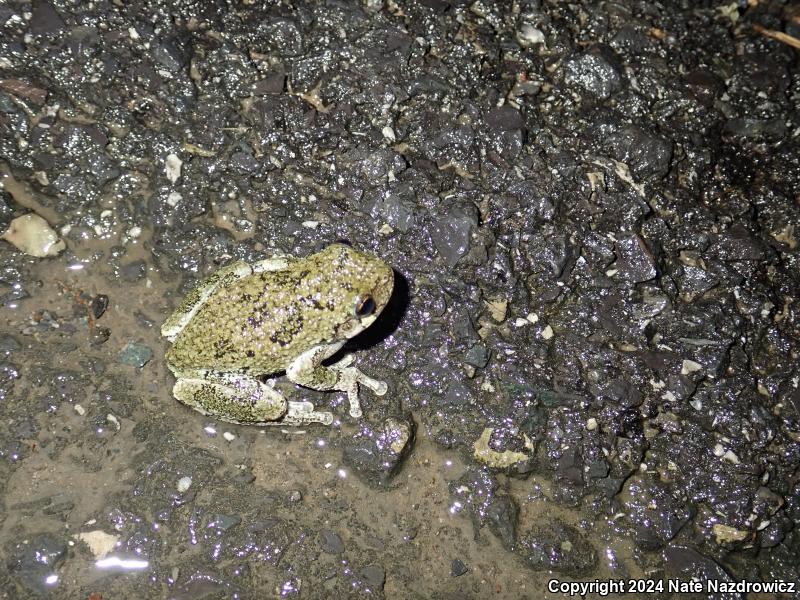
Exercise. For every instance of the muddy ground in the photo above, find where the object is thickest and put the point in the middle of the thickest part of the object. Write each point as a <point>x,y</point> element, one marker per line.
<point>592,350</point>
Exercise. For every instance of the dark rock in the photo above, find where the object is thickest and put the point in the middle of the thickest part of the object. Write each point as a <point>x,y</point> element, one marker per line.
<point>737,244</point>
<point>374,576</point>
<point>168,54</point>
<point>686,564</point>
<point>222,522</point>
<point>377,454</point>
<point>748,127</point>
<point>457,394</point>
<point>533,198</point>
<point>271,84</point>
<point>397,208</point>
<point>505,118</point>
<point>244,162</point>
<point>477,356</point>
<point>9,344</point>
<point>99,305</point>
<point>135,355</point>
<point>695,281</point>
<point>558,547</point>
<point>704,86</point>
<point>33,560</point>
<point>647,155</point>
<point>655,514</point>
<point>134,271</point>
<point>501,516</point>
<point>634,259</point>
<point>452,230</point>
<point>457,568</point>
<point>45,19</point>
<point>331,542</point>
<point>594,74</point>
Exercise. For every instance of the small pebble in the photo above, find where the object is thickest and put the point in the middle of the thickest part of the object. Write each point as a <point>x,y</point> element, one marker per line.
<point>135,355</point>
<point>99,305</point>
<point>99,335</point>
<point>374,575</point>
<point>184,483</point>
<point>172,167</point>
<point>528,35</point>
<point>458,568</point>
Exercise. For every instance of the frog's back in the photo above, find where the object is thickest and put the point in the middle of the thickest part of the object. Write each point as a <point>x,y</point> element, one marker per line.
<point>259,323</point>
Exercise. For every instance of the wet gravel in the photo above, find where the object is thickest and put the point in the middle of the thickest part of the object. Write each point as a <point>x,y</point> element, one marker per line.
<point>592,350</point>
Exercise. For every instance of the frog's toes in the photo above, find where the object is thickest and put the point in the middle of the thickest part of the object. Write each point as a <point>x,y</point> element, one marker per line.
<point>355,404</point>
<point>302,413</point>
<point>378,387</point>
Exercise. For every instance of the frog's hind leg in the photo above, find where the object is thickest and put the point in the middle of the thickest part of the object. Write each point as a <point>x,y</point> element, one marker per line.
<point>195,299</point>
<point>232,397</point>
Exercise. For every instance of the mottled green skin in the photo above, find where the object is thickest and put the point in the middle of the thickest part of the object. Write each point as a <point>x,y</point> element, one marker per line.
<point>260,323</point>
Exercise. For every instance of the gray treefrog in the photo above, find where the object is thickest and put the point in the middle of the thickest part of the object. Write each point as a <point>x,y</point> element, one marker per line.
<point>280,314</point>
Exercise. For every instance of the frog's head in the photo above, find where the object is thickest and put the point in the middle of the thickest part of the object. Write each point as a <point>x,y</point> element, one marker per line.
<point>363,285</point>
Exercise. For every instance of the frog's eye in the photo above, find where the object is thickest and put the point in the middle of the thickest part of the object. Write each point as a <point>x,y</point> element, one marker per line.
<point>365,306</point>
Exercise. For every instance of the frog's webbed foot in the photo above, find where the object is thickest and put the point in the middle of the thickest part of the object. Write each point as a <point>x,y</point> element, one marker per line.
<point>348,380</point>
<point>302,413</point>
<point>306,370</point>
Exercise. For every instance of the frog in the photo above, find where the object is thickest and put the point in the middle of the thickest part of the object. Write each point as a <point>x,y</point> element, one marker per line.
<point>247,323</point>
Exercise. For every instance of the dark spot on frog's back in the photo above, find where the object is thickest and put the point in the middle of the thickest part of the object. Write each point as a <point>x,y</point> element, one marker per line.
<point>222,347</point>
<point>277,338</point>
<point>253,322</point>
<point>250,354</point>
<point>312,301</point>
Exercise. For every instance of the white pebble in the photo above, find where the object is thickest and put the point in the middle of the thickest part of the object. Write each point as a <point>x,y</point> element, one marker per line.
<point>528,35</point>
<point>731,457</point>
<point>689,366</point>
<point>184,483</point>
<point>174,198</point>
<point>114,421</point>
<point>388,133</point>
<point>547,332</point>
<point>172,167</point>
<point>32,235</point>
<point>228,436</point>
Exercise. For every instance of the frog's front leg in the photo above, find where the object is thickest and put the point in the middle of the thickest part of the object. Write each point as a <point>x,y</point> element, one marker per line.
<point>239,398</point>
<point>307,370</point>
